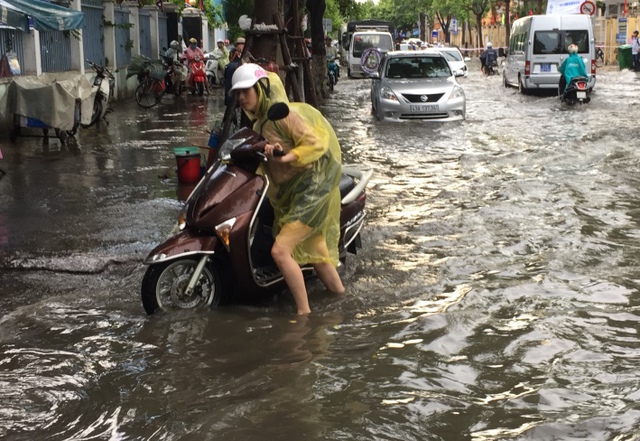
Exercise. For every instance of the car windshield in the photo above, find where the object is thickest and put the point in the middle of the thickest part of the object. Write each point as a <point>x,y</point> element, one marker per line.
<point>417,67</point>
<point>452,55</point>
<point>557,42</point>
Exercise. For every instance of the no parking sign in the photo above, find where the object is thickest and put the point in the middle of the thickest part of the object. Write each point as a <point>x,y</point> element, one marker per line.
<point>588,7</point>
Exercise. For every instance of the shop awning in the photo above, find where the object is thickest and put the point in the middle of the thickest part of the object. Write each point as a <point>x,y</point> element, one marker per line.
<point>46,16</point>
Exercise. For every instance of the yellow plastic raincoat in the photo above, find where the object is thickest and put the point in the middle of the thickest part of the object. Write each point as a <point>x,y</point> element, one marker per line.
<point>305,193</point>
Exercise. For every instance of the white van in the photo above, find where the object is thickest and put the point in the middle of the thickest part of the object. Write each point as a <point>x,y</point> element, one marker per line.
<point>538,45</point>
<point>360,41</point>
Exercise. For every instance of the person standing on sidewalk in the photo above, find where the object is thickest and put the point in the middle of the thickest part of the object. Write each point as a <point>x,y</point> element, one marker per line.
<point>635,51</point>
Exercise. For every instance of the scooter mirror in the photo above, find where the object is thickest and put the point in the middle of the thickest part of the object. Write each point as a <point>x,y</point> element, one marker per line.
<point>278,111</point>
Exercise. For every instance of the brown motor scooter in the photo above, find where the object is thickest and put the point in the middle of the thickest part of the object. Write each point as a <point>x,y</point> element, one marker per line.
<point>222,251</point>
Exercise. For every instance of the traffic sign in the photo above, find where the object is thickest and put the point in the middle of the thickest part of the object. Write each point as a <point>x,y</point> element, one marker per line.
<point>588,7</point>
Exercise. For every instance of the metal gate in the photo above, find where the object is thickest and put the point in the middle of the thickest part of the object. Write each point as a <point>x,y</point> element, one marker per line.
<point>163,39</point>
<point>93,32</point>
<point>123,37</point>
<point>144,18</point>
<point>11,41</point>
<point>55,51</point>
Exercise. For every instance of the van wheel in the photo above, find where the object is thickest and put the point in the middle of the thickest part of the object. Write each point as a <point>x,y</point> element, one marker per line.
<point>523,90</point>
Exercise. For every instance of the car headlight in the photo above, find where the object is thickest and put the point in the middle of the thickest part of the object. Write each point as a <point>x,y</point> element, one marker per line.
<point>457,93</point>
<point>388,94</point>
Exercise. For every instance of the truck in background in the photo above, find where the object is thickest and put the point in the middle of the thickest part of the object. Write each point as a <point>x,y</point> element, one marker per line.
<point>361,35</point>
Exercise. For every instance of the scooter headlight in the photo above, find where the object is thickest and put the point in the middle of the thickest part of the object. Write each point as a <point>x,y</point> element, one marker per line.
<point>182,221</point>
<point>223,231</point>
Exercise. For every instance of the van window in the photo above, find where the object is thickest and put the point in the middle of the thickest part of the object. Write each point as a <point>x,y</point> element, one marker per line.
<point>365,41</point>
<point>556,42</point>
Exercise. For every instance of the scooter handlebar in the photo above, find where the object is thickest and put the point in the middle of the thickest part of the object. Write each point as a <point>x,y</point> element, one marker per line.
<point>257,149</point>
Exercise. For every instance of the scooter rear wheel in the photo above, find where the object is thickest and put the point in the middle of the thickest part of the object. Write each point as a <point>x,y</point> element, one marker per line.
<point>97,111</point>
<point>164,285</point>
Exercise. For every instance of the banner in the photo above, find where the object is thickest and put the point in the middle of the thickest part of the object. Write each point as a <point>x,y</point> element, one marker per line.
<point>563,6</point>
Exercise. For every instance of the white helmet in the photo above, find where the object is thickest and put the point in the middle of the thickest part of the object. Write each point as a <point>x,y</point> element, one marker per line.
<point>489,44</point>
<point>573,48</point>
<point>174,45</point>
<point>247,76</point>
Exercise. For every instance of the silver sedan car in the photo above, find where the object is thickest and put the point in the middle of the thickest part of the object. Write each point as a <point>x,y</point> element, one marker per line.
<point>416,85</point>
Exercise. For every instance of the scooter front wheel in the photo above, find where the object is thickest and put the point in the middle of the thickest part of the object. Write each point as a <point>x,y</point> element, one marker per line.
<point>164,287</point>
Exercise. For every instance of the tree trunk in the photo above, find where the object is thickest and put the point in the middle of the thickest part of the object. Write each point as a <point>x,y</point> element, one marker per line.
<point>265,46</point>
<point>507,21</point>
<point>319,66</point>
<point>479,26</point>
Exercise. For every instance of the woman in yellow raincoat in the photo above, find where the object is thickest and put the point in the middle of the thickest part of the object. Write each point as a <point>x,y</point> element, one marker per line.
<point>304,182</point>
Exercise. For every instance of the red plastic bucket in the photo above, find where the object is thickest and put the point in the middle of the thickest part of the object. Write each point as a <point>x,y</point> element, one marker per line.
<point>188,159</point>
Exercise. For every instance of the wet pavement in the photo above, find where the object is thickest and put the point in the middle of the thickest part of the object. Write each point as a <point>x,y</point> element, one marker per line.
<point>496,295</point>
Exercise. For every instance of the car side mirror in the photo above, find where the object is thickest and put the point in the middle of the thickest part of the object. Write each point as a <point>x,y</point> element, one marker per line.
<point>278,111</point>
<point>467,59</point>
<point>374,76</point>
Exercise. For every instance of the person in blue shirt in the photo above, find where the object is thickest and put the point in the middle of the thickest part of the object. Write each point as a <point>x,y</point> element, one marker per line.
<point>571,67</point>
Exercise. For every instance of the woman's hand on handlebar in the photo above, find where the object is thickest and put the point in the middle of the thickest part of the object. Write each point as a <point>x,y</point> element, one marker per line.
<point>275,152</point>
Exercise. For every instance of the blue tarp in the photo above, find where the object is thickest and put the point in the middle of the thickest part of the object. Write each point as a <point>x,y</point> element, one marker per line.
<point>46,16</point>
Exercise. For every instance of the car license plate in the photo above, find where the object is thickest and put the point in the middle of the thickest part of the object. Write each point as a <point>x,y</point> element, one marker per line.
<point>581,95</point>
<point>545,68</point>
<point>424,108</point>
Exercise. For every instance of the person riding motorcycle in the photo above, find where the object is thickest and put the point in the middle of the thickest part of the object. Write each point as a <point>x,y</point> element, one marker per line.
<point>304,182</point>
<point>178,70</point>
<point>332,56</point>
<point>488,57</point>
<point>172,52</point>
<point>190,55</point>
<point>571,67</point>
<point>218,60</point>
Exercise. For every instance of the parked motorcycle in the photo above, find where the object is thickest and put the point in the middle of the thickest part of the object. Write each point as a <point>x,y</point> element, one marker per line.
<point>103,91</point>
<point>197,76</point>
<point>577,91</point>
<point>222,252</point>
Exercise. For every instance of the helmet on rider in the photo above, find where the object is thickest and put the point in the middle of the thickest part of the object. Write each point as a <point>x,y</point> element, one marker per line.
<point>489,45</point>
<point>226,42</point>
<point>174,45</point>
<point>247,76</point>
<point>573,48</point>
<point>193,41</point>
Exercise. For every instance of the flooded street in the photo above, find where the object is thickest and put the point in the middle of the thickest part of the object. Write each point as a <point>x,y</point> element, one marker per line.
<point>496,295</point>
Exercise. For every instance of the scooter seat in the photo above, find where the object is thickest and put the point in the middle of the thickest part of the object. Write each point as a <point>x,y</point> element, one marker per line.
<point>346,185</point>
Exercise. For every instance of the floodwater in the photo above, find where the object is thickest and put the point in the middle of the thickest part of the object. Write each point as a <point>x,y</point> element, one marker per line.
<point>496,295</point>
